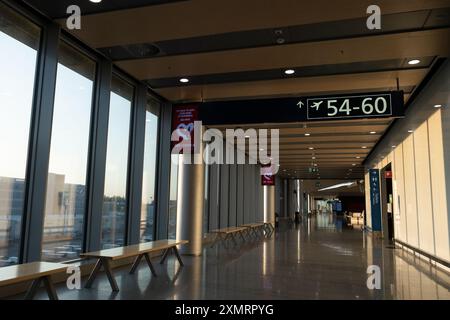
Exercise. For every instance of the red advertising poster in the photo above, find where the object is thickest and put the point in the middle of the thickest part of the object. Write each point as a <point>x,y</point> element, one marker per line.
<point>268,180</point>
<point>183,118</point>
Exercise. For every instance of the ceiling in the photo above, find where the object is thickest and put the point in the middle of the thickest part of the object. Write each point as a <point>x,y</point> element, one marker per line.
<point>336,148</point>
<point>238,49</point>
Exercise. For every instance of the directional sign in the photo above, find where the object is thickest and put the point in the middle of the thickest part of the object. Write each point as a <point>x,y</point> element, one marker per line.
<point>332,107</point>
<point>362,106</point>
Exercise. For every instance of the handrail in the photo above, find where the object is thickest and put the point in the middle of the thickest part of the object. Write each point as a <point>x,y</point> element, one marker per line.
<point>423,253</point>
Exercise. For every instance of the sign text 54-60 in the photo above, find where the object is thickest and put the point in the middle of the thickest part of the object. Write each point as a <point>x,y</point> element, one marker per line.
<point>349,107</point>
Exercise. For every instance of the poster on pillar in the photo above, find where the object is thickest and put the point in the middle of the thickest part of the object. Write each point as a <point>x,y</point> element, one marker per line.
<point>267,179</point>
<point>375,204</point>
<point>183,120</point>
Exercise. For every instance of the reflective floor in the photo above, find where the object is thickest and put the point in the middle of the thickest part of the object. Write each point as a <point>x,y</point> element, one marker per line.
<point>321,258</point>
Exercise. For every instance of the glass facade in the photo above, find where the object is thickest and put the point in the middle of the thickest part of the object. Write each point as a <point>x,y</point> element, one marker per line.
<point>148,208</point>
<point>19,42</point>
<point>78,132</point>
<point>65,205</point>
<point>115,198</point>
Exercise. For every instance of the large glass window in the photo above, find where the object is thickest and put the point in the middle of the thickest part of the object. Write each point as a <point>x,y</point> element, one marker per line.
<point>115,197</point>
<point>148,184</point>
<point>66,185</point>
<point>19,42</point>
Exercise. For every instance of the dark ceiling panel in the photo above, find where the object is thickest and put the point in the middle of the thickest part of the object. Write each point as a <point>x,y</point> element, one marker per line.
<point>400,22</point>
<point>300,72</point>
<point>57,8</point>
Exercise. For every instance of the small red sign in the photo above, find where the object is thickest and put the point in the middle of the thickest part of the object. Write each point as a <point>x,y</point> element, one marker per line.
<point>388,174</point>
<point>268,180</point>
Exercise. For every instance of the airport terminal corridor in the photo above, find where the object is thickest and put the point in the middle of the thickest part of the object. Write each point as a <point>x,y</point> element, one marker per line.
<point>319,258</point>
<point>187,150</point>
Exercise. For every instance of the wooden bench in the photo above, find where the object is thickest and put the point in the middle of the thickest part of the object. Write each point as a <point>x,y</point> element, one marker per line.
<point>228,233</point>
<point>142,250</point>
<point>254,228</point>
<point>38,272</point>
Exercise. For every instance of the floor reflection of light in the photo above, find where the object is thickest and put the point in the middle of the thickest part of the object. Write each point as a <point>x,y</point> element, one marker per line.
<point>309,226</point>
<point>264,258</point>
<point>298,245</point>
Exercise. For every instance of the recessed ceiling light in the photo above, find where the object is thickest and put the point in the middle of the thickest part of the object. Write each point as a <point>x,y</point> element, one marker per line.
<point>261,149</point>
<point>313,158</point>
<point>414,61</point>
<point>438,105</point>
<point>307,134</point>
<point>394,146</point>
<point>289,71</point>
<point>353,164</point>
<point>372,132</point>
<point>95,1</point>
<point>311,148</point>
<point>184,80</point>
<point>358,157</point>
<point>364,147</point>
<point>410,131</point>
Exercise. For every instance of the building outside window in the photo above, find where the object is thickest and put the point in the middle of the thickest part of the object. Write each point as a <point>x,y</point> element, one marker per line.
<point>65,205</point>
<point>149,175</point>
<point>115,198</point>
<point>19,43</point>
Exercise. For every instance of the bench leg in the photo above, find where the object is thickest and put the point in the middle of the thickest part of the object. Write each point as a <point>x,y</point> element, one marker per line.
<point>50,288</point>
<point>216,238</point>
<point>177,254</point>
<point>93,274</point>
<point>233,237</point>
<point>164,257</point>
<point>31,292</point>
<point>109,273</point>
<point>149,262</point>
<point>242,236</point>
<point>136,264</point>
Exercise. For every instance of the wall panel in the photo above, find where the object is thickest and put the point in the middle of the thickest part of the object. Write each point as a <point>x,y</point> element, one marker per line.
<point>439,171</point>
<point>410,191</point>
<point>423,187</point>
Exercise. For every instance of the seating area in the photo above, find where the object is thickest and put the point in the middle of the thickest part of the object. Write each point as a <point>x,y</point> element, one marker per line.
<point>41,272</point>
<point>248,231</point>
<point>37,272</point>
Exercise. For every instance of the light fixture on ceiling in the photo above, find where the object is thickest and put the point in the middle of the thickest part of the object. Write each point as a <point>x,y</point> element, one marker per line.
<point>339,185</point>
<point>394,146</point>
<point>314,158</point>
<point>353,164</point>
<point>184,80</point>
<point>364,147</point>
<point>289,71</point>
<point>311,148</point>
<point>307,134</point>
<point>438,105</point>
<point>372,132</point>
<point>95,1</point>
<point>410,131</point>
<point>358,157</point>
<point>413,61</point>
<point>261,149</point>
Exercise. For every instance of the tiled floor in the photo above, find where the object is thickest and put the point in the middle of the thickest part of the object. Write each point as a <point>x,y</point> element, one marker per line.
<point>319,259</point>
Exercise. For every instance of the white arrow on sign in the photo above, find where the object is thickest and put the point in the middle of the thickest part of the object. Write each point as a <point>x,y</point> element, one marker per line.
<point>300,104</point>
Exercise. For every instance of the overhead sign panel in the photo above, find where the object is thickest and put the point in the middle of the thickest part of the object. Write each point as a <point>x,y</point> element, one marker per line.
<point>362,106</point>
<point>331,107</point>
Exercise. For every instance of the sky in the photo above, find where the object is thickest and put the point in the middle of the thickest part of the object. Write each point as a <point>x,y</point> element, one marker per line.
<point>71,123</point>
